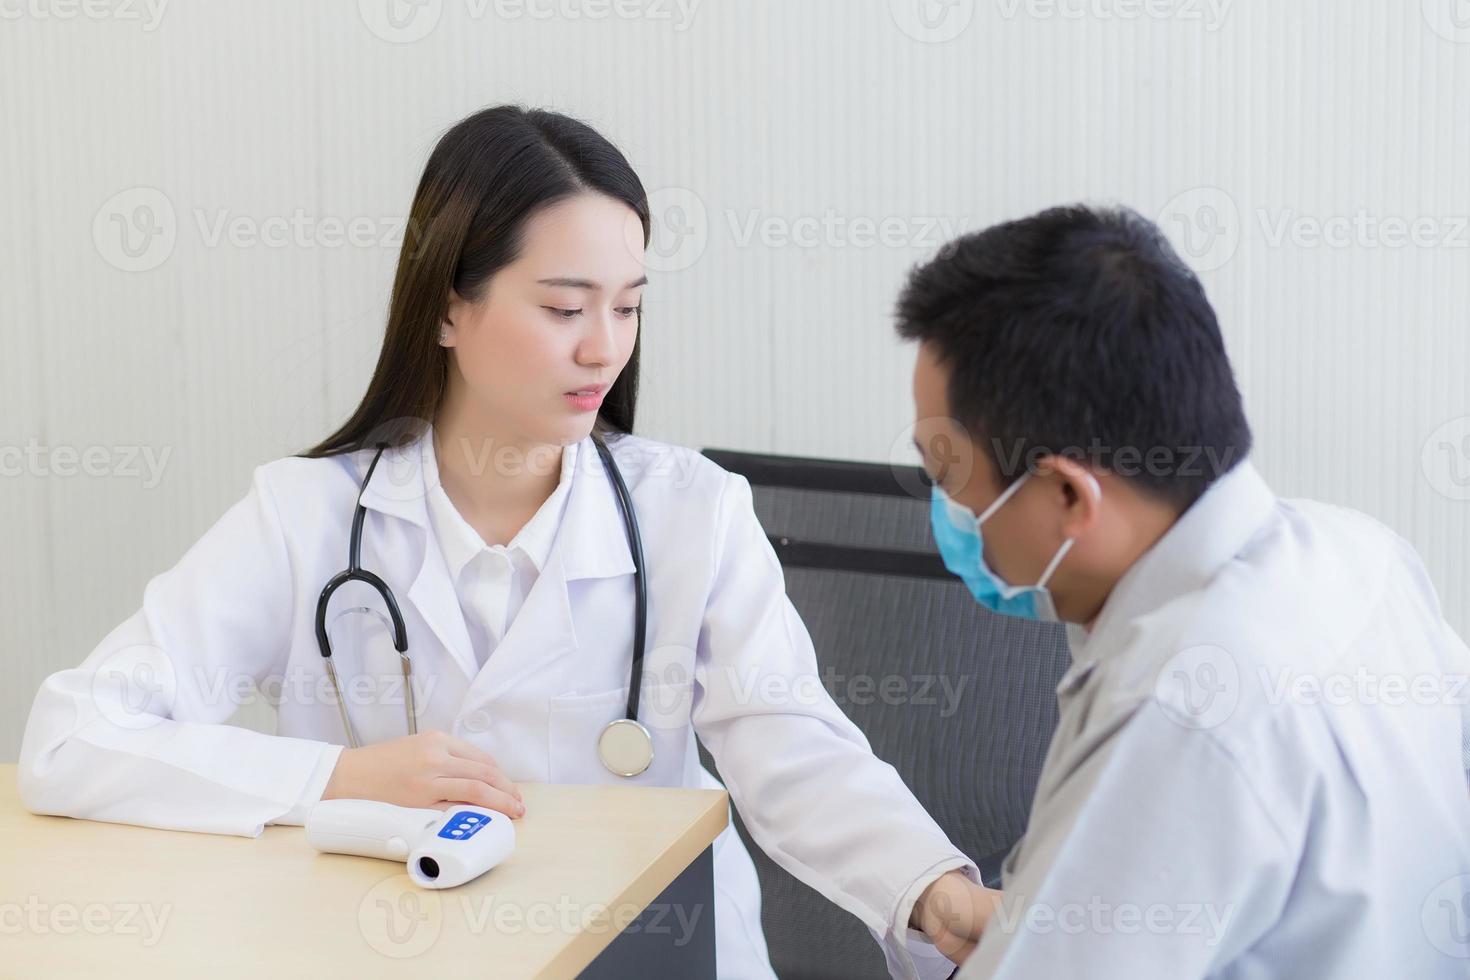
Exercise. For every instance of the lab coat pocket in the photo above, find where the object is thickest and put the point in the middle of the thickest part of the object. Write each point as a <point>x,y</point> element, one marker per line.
<point>577,721</point>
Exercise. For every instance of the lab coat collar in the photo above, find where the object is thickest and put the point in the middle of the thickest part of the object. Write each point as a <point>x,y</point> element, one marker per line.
<point>589,544</point>
<point>462,544</point>
<point>399,489</point>
<point>1206,536</point>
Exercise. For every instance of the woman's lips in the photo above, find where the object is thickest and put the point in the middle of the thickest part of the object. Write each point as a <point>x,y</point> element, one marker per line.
<point>587,398</point>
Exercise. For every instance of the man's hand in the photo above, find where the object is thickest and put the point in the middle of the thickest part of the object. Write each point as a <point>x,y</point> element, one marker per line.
<point>952,912</point>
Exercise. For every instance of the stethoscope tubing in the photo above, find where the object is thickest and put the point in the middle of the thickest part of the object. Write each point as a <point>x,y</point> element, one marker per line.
<point>356,573</point>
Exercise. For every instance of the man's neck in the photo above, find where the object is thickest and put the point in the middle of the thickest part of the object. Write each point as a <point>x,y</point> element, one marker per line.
<point>1149,523</point>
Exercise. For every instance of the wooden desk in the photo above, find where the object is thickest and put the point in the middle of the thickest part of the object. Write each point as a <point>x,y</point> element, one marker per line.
<point>83,898</point>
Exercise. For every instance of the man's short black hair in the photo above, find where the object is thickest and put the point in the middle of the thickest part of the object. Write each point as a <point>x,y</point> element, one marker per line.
<point>1078,331</point>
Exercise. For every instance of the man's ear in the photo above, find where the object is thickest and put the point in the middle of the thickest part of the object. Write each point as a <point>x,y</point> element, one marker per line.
<point>1083,491</point>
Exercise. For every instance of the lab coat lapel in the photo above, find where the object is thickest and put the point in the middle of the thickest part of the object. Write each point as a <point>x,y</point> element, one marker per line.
<point>590,543</point>
<point>398,491</point>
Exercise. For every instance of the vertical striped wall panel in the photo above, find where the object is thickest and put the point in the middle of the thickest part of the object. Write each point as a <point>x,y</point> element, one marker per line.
<point>802,155</point>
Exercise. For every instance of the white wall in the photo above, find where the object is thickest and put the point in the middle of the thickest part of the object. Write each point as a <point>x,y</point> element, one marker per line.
<point>1221,118</point>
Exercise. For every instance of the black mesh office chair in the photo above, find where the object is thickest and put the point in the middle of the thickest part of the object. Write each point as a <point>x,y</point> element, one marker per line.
<point>861,568</point>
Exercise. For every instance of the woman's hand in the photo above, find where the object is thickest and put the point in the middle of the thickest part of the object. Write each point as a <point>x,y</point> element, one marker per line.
<point>953,912</point>
<point>431,770</point>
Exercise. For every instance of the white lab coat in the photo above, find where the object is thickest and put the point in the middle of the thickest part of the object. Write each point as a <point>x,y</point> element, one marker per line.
<point>134,734</point>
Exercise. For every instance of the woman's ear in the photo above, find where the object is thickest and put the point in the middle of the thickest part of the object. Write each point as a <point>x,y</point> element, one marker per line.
<point>446,327</point>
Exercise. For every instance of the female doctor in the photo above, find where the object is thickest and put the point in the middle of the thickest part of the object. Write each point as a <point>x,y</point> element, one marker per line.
<point>489,542</point>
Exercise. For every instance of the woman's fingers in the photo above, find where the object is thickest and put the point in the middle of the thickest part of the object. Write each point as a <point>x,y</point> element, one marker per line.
<point>469,774</point>
<point>479,793</point>
<point>467,750</point>
<point>485,772</point>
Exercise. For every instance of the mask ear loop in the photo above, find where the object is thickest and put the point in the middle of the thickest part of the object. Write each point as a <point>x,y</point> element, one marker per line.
<point>1055,561</point>
<point>1005,495</point>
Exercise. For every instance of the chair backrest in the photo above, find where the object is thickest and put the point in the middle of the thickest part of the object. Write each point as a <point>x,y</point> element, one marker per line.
<point>960,701</point>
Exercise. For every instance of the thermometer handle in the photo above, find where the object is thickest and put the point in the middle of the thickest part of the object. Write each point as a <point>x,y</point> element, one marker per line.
<point>369,828</point>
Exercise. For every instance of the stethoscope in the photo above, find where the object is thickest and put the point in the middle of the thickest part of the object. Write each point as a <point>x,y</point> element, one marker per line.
<point>625,746</point>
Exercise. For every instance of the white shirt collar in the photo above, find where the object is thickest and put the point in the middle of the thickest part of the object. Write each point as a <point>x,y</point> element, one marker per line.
<point>1206,536</point>
<point>461,543</point>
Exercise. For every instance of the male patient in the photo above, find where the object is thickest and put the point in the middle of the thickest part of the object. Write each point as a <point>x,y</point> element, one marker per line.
<point>1260,764</point>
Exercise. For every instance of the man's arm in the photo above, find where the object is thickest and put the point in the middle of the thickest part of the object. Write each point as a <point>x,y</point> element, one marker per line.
<point>1156,857</point>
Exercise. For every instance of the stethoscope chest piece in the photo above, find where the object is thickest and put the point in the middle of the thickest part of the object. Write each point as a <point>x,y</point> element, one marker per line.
<point>625,747</point>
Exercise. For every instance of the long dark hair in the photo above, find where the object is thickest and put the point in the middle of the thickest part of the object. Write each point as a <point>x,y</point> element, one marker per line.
<point>487,175</point>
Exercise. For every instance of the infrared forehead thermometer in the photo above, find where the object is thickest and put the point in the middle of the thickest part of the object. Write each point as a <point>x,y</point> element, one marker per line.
<point>442,848</point>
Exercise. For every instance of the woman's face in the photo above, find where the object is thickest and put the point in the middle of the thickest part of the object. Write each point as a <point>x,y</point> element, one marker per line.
<point>561,319</point>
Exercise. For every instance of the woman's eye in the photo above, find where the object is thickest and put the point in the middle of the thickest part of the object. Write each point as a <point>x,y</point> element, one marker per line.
<point>563,314</point>
<point>629,311</point>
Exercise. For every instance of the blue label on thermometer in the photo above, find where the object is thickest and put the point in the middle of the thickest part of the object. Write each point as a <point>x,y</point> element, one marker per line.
<point>466,824</point>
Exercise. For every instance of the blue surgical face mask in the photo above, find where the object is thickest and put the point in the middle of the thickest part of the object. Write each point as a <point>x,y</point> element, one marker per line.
<point>957,532</point>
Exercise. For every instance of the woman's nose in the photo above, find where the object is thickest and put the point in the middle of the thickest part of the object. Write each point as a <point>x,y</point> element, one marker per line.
<point>600,345</point>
